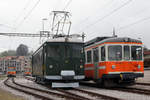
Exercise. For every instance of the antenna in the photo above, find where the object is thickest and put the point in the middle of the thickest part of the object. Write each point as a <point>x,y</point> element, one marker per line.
<point>114,33</point>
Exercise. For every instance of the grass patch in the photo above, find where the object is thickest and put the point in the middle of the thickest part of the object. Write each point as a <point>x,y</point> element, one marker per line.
<point>2,77</point>
<point>4,95</point>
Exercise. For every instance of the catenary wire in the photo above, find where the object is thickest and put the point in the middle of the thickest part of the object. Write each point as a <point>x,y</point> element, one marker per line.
<point>22,11</point>
<point>28,14</point>
<point>68,3</point>
<point>107,15</point>
<point>131,24</point>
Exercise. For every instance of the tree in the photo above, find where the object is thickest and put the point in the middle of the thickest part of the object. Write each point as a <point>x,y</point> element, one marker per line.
<point>145,48</point>
<point>22,50</point>
<point>8,53</point>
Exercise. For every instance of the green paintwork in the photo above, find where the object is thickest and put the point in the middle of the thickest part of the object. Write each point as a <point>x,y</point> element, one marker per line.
<point>62,60</point>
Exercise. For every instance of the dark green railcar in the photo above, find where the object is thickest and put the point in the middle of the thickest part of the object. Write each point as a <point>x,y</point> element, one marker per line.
<point>59,61</point>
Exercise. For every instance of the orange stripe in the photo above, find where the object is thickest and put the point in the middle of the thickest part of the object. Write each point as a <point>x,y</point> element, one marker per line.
<point>112,43</point>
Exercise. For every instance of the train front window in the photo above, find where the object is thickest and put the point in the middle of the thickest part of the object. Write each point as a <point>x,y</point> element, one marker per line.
<point>54,51</point>
<point>115,52</point>
<point>126,53</point>
<point>77,50</point>
<point>136,52</point>
<point>65,50</point>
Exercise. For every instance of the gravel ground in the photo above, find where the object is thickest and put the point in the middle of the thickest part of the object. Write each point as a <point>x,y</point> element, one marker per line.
<point>15,94</point>
<point>146,78</point>
<point>115,93</point>
<point>7,93</point>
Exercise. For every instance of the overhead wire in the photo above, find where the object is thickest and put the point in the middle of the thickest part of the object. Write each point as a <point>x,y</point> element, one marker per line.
<point>134,23</point>
<point>107,15</point>
<point>131,24</point>
<point>22,11</point>
<point>68,3</point>
<point>28,14</point>
<point>87,18</point>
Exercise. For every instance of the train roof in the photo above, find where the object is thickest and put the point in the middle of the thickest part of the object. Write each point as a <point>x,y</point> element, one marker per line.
<point>63,39</point>
<point>111,39</point>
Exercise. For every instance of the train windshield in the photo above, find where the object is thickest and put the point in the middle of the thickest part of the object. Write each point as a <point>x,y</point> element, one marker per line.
<point>77,50</point>
<point>115,52</point>
<point>136,52</point>
<point>65,50</point>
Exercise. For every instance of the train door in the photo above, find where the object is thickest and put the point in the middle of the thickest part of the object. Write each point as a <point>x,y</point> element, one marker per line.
<point>95,62</point>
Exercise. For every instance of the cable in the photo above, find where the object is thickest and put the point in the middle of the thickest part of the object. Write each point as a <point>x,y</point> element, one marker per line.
<point>134,23</point>
<point>4,25</point>
<point>25,7</point>
<point>69,2</point>
<point>107,15</point>
<point>87,18</point>
<point>29,13</point>
<point>131,24</point>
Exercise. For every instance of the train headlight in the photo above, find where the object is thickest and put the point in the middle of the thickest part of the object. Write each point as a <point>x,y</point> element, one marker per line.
<point>81,66</point>
<point>50,66</point>
<point>139,66</point>
<point>113,66</point>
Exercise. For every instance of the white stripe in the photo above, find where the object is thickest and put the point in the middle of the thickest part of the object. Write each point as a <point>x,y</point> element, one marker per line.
<point>53,77</point>
<point>138,72</point>
<point>102,67</point>
<point>122,72</point>
<point>89,68</point>
<point>79,77</point>
<point>60,77</point>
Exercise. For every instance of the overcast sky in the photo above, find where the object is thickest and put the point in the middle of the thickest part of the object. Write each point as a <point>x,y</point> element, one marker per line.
<point>131,18</point>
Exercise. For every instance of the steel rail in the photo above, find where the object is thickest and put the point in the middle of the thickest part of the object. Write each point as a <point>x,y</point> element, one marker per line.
<point>27,92</point>
<point>147,84</point>
<point>83,91</point>
<point>97,94</point>
<point>51,93</point>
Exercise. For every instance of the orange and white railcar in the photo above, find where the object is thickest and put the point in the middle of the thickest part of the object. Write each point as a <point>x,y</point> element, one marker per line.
<point>11,72</point>
<point>113,60</point>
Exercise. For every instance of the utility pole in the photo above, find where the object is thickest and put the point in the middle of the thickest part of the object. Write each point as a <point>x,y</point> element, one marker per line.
<point>43,31</point>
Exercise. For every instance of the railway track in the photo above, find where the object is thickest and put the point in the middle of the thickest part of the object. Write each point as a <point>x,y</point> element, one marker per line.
<point>97,94</point>
<point>92,94</point>
<point>146,84</point>
<point>25,91</point>
<point>62,95</point>
<point>134,90</point>
<point>124,89</point>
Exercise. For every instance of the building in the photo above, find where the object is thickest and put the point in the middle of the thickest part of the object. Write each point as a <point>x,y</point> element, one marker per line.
<point>20,62</point>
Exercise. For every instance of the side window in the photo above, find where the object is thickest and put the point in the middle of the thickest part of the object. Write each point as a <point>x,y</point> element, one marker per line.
<point>102,53</point>
<point>95,55</point>
<point>126,53</point>
<point>89,56</point>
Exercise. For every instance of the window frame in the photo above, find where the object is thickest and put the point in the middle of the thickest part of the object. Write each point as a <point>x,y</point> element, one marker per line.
<point>141,54</point>
<point>129,52</point>
<point>104,53</point>
<point>90,56</point>
<point>121,52</point>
